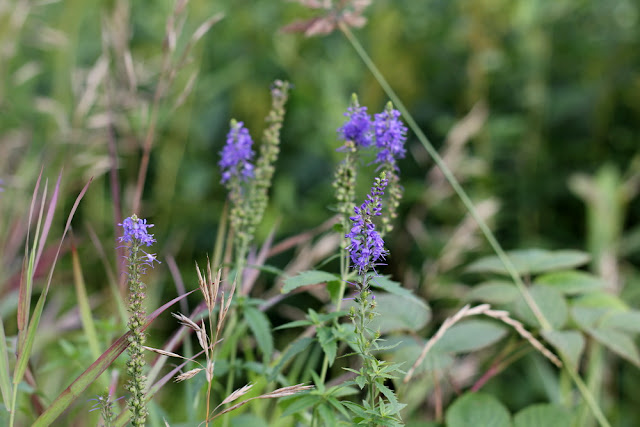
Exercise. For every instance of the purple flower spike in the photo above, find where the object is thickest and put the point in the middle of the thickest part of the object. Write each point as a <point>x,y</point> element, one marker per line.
<point>358,128</point>
<point>237,153</point>
<point>390,136</point>
<point>367,246</point>
<point>136,228</point>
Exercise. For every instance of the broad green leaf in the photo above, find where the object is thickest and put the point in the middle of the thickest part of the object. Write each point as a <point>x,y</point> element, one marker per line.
<point>544,414</point>
<point>493,292</point>
<point>601,299</point>
<point>627,321</point>
<point>470,335</point>
<point>400,313</point>
<point>477,409</point>
<point>588,317</point>
<point>388,285</point>
<point>261,328</point>
<point>618,342</point>
<point>306,278</point>
<point>570,343</point>
<point>531,261</point>
<point>571,282</point>
<point>551,303</point>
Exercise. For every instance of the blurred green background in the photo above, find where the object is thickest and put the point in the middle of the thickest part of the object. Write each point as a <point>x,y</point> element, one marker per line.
<point>559,81</point>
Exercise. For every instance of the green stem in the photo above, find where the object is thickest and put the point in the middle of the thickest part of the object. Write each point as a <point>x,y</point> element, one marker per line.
<point>488,234</point>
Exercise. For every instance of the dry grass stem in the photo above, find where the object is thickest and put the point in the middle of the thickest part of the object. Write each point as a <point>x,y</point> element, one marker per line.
<point>485,309</point>
<point>281,392</point>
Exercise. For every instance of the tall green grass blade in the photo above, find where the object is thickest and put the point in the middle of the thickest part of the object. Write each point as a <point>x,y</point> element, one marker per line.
<point>462,195</point>
<point>5,380</point>
<point>84,308</point>
<point>80,384</point>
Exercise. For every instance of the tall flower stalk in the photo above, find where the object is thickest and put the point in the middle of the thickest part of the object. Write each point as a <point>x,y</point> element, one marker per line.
<point>366,250</point>
<point>137,236</point>
<point>249,184</point>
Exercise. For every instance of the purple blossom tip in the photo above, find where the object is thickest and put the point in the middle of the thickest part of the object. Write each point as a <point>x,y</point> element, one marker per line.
<point>236,155</point>
<point>367,246</point>
<point>391,135</point>
<point>358,128</point>
<point>136,229</point>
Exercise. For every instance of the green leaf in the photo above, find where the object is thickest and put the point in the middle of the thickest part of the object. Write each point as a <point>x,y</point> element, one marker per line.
<point>328,343</point>
<point>550,302</point>
<point>544,414</point>
<point>295,348</point>
<point>493,292</point>
<point>570,343</point>
<point>571,282</point>
<point>531,261</point>
<point>306,278</point>
<point>399,313</point>
<point>407,350</point>
<point>477,409</point>
<point>300,404</point>
<point>628,321</point>
<point>327,415</point>
<point>261,328</point>
<point>588,317</point>
<point>618,342</point>
<point>388,285</point>
<point>601,299</point>
<point>470,335</point>
<point>248,420</point>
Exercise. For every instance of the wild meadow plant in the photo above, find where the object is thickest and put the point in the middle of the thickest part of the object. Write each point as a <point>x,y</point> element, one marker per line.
<point>137,236</point>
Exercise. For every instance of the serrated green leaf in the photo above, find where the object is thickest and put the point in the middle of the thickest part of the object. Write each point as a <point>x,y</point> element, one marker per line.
<point>400,313</point>
<point>544,414</point>
<point>471,335</point>
<point>571,282</point>
<point>588,317</point>
<point>570,343</point>
<point>550,302</point>
<point>477,409</point>
<point>261,328</point>
<point>618,342</point>
<point>493,292</point>
<point>531,261</point>
<point>306,278</point>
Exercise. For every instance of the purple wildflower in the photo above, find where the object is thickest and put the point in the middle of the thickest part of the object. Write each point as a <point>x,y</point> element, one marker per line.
<point>367,246</point>
<point>237,153</point>
<point>390,136</point>
<point>136,229</point>
<point>358,128</point>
